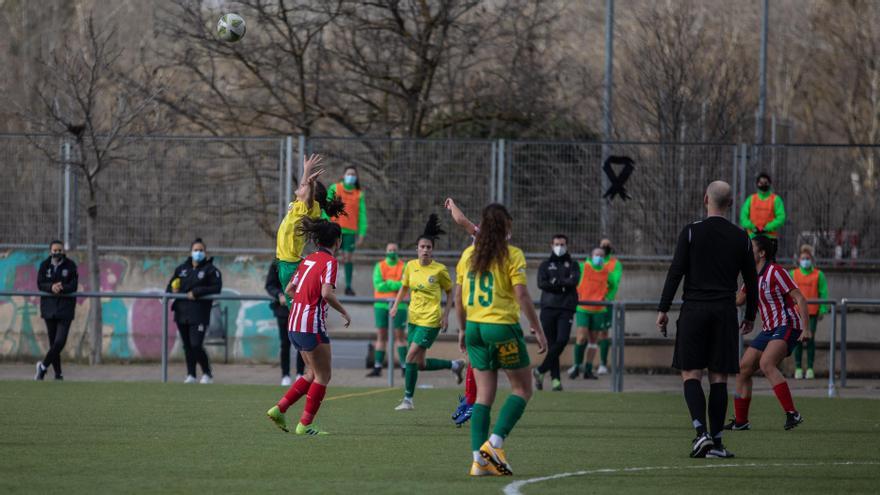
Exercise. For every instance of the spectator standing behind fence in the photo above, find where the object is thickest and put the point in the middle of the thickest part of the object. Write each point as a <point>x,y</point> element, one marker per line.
<point>813,285</point>
<point>616,274</point>
<point>196,277</point>
<point>558,279</point>
<point>599,282</point>
<point>282,314</point>
<point>57,275</point>
<point>763,212</point>
<point>354,223</point>
<point>387,276</point>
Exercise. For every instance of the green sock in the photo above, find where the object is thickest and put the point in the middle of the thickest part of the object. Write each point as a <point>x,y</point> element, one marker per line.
<point>811,353</point>
<point>579,350</point>
<point>481,415</point>
<point>588,367</point>
<point>412,376</point>
<point>349,268</point>
<point>510,413</point>
<point>604,345</point>
<point>379,357</point>
<point>401,354</point>
<point>798,355</point>
<point>432,364</point>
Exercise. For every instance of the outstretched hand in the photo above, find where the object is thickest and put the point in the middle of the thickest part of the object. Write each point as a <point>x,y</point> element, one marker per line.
<point>309,163</point>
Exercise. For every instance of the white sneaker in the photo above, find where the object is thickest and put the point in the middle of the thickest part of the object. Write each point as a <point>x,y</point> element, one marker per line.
<point>206,379</point>
<point>405,405</point>
<point>810,374</point>
<point>602,370</point>
<point>190,379</point>
<point>285,381</point>
<point>798,374</point>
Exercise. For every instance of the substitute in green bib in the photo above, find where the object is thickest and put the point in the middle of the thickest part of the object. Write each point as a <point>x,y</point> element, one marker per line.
<point>763,212</point>
<point>491,290</point>
<point>354,223</point>
<point>387,275</point>
<point>811,281</point>
<point>427,280</point>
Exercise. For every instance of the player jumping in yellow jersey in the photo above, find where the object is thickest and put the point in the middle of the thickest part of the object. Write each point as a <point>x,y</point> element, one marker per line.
<point>311,198</point>
<point>490,292</point>
<point>427,280</point>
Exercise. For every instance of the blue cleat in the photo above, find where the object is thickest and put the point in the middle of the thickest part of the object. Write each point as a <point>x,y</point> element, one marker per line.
<point>462,413</point>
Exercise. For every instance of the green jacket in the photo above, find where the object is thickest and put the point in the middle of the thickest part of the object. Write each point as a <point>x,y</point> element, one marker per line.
<point>362,212</point>
<point>778,214</point>
<point>382,285</point>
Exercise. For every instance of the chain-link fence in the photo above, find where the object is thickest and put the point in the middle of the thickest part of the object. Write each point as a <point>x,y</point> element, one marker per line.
<point>233,191</point>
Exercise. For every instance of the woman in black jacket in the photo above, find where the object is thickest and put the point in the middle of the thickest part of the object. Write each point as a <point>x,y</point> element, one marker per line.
<point>282,314</point>
<point>196,277</point>
<point>56,275</point>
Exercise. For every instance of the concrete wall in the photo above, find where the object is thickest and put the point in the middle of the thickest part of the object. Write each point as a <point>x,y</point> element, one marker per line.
<point>132,328</point>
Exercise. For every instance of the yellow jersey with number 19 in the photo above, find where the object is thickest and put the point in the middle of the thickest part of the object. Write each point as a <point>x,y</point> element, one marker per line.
<point>488,297</point>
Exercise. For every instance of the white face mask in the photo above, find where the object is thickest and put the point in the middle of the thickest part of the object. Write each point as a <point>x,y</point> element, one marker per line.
<point>559,250</point>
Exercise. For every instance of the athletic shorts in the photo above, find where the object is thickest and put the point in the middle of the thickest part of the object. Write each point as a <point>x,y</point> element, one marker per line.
<point>707,337</point>
<point>307,341</point>
<point>348,241</point>
<point>286,271</point>
<point>493,346</point>
<point>786,333</point>
<point>595,322</point>
<point>381,316</point>
<point>421,336</point>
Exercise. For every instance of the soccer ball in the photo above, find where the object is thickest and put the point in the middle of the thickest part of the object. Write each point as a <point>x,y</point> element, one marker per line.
<point>231,27</point>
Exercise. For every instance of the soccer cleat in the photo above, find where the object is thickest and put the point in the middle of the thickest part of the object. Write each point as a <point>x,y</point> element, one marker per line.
<point>278,418</point>
<point>457,370</point>
<point>719,453</point>
<point>588,375</point>
<point>574,371</point>
<point>206,380</point>
<point>308,430</point>
<point>602,370</point>
<point>793,419</point>
<point>285,381</point>
<point>190,379</point>
<point>41,371</point>
<point>556,384</point>
<point>374,372</point>
<point>734,426</point>
<point>487,469</point>
<point>463,412</point>
<point>59,378</point>
<point>798,373</point>
<point>349,291</point>
<point>539,379</point>
<point>702,444</point>
<point>810,375</point>
<point>405,405</point>
<point>496,457</point>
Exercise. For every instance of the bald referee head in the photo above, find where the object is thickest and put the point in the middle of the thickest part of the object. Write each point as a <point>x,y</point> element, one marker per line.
<point>710,255</point>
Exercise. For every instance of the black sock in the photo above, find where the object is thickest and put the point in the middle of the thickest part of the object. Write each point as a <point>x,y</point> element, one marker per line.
<point>717,410</point>
<point>696,402</point>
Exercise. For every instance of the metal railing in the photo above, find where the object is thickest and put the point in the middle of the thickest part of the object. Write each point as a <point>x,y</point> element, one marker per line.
<point>617,332</point>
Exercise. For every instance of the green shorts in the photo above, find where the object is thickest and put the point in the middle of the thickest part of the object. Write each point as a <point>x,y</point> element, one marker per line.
<point>380,311</point>
<point>493,346</point>
<point>421,336</point>
<point>286,271</point>
<point>595,322</point>
<point>348,241</point>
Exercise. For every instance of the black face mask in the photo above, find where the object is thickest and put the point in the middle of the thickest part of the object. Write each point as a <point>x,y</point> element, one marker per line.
<point>607,250</point>
<point>764,187</point>
<point>57,256</point>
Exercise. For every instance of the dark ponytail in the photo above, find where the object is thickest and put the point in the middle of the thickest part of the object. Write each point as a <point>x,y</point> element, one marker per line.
<point>323,233</point>
<point>432,231</point>
<point>333,208</point>
<point>767,245</point>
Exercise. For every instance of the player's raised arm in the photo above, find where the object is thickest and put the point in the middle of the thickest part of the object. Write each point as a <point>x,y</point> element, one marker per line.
<point>459,217</point>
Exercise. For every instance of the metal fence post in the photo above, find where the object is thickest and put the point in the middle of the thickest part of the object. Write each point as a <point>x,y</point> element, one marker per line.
<point>621,338</point>
<point>164,339</point>
<point>391,349</point>
<point>499,194</point>
<point>67,187</point>
<point>832,390</point>
<point>734,184</point>
<point>743,164</point>
<point>288,170</point>
<point>843,316</point>
<point>493,172</point>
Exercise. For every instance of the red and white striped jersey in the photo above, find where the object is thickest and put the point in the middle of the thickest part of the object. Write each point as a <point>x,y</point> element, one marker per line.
<point>774,299</point>
<point>308,309</point>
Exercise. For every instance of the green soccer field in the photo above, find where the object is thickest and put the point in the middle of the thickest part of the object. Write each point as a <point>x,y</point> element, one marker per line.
<point>150,438</point>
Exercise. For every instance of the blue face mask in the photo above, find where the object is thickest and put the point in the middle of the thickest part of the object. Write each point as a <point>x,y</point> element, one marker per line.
<point>806,263</point>
<point>598,261</point>
<point>198,256</point>
<point>350,180</point>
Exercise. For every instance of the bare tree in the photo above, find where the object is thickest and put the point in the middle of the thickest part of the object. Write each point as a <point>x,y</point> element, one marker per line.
<point>82,101</point>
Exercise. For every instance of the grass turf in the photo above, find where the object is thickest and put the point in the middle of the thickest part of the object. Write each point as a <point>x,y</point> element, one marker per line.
<point>143,437</point>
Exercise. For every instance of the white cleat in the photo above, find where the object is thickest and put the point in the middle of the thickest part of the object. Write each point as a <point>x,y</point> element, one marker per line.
<point>206,380</point>
<point>405,405</point>
<point>602,370</point>
<point>190,379</point>
<point>285,381</point>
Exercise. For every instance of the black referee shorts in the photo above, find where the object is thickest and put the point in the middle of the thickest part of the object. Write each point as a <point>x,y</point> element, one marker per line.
<point>707,337</point>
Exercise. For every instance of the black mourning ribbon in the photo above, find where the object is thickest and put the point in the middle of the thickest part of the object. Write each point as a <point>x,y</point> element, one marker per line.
<point>618,181</point>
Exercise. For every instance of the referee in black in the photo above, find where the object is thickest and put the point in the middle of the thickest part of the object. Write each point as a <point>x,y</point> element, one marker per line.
<point>710,255</point>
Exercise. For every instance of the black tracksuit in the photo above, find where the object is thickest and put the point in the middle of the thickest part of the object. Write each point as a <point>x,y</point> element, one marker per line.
<point>193,317</point>
<point>282,314</point>
<point>57,311</point>
<point>558,278</point>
